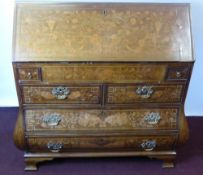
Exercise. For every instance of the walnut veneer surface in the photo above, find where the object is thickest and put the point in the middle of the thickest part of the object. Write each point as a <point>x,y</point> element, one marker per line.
<point>103,32</point>
<point>101,79</point>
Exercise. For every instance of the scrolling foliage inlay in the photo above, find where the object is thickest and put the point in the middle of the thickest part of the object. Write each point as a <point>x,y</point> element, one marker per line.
<point>101,120</point>
<point>77,95</point>
<point>86,32</point>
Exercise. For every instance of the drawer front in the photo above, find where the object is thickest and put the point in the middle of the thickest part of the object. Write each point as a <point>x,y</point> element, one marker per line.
<point>29,74</point>
<point>103,32</point>
<point>104,73</point>
<point>61,94</point>
<point>129,94</point>
<point>101,121</point>
<point>136,143</point>
<point>180,73</point>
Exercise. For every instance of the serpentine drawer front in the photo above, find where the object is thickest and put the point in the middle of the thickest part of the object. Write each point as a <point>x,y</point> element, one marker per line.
<point>138,143</point>
<point>101,120</point>
<point>101,79</point>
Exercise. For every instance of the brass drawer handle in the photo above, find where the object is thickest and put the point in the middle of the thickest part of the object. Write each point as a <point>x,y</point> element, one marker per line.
<point>52,120</point>
<point>54,147</point>
<point>152,118</point>
<point>29,76</point>
<point>178,74</point>
<point>148,145</point>
<point>61,92</point>
<point>145,91</point>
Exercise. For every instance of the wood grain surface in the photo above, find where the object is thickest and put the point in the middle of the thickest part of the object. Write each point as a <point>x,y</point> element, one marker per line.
<point>101,121</point>
<point>103,32</point>
<point>102,143</point>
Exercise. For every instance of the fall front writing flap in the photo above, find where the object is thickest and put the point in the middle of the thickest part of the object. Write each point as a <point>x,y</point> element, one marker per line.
<point>102,32</point>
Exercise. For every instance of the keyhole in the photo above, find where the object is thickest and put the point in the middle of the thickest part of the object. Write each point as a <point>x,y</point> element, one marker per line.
<point>105,12</point>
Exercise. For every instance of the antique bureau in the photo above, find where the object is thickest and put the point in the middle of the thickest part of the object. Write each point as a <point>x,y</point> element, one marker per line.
<point>96,79</point>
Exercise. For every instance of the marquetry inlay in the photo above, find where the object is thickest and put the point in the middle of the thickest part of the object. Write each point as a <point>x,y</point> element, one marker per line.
<point>108,120</point>
<point>61,32</point>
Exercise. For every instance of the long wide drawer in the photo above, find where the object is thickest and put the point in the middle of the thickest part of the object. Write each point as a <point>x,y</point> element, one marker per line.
<point>126,94</point>
<point>69,121</point>
<point>136,143</point>
<point>67,94</point>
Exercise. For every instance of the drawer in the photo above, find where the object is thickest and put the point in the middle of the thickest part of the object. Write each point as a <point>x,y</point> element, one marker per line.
<point>104,72</point>
<point>179,73</point>
<point>69,121</point>
<point>29,74</point>
<point>67,94</point>
<point>130,94</point>
<point>111,143</point>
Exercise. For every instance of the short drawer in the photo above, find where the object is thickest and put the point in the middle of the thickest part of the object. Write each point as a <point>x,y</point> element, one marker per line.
<point>180,73</point>
<point>136,143</point>
<point>61,94</point>
<point>29,74</point>
<point>129,94</point>
<point>100,121</point>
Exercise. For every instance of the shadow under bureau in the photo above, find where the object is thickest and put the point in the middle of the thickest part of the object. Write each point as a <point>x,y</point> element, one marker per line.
<point>101,79</point>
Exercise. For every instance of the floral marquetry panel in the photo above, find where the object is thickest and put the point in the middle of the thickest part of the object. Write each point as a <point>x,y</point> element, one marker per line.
<point>102,32</point>
<point>98,120</point>
<point>121,142</point>
<point>73,95</point>
<point>150,93</point>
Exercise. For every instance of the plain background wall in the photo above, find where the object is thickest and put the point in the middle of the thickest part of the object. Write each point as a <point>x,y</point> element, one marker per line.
<point>8,97</point>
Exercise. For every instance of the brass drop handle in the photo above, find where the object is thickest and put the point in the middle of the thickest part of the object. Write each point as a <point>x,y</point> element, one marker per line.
<point>54,147</point>
<point>178,74</point>
<point>152,118</point>
<point>29,75</point>
<point>51,120</point>
<point>148,145</point>
<point>145,91</point>
<point>60,92</point>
